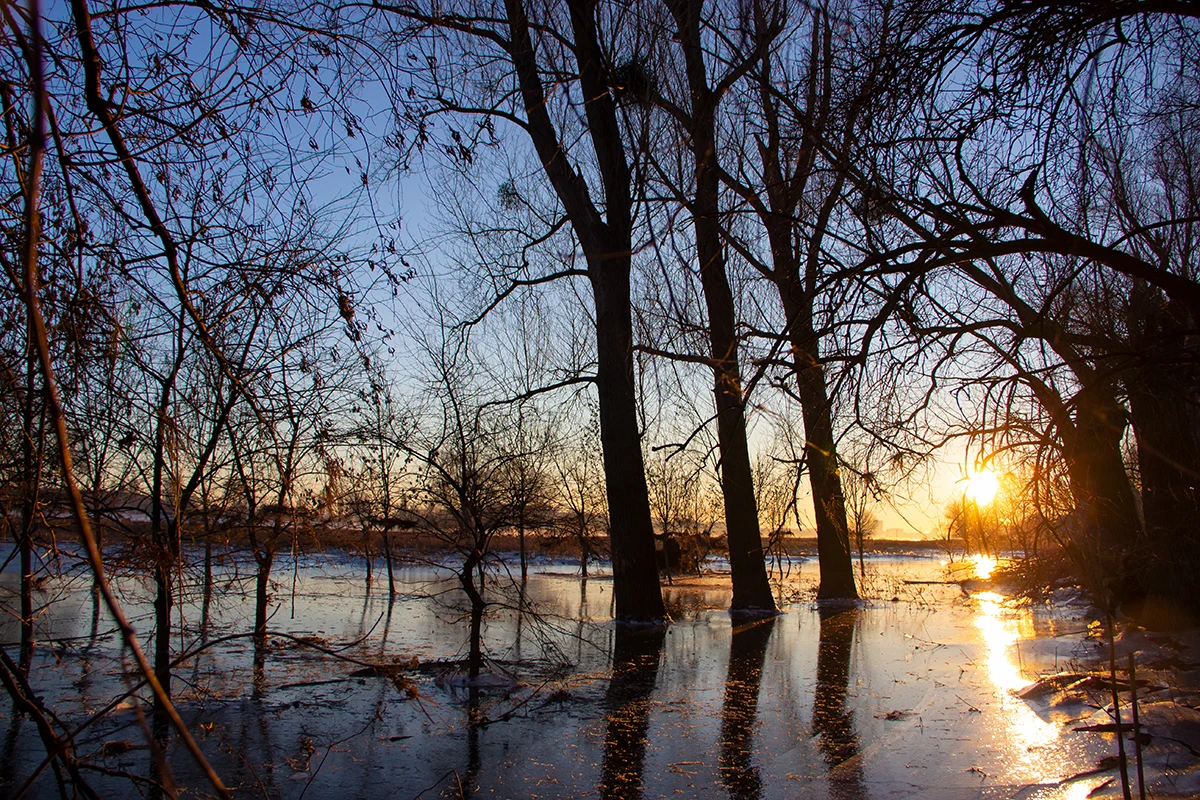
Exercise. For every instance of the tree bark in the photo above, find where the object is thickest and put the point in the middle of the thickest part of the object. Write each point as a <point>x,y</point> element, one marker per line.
<point>521,543</point>
<point>607,244</point>
<point>631,532</point>
<point>475,652</point>
<point>1105,541</point>
<point>164,536</point>
<point>820,453</point>
<point>387,555</point>
<point>829,504</point>
<point>1164,406</point>
<point>751,587</point>
<point>366,535</point>
<point>1097,468</point>
<point>262,596</point>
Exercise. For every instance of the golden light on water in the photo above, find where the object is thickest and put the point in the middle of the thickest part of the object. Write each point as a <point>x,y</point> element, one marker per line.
<point>982,485</point>
<point>1001,633</point>
<point>983,565</point>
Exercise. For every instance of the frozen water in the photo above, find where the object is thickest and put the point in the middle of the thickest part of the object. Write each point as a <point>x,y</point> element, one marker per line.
<point>911,693</point>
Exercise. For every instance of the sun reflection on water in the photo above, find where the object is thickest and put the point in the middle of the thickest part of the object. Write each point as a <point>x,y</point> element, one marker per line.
<point>983,565</point>
<point>1001,631</point>
<point>1081,789</point>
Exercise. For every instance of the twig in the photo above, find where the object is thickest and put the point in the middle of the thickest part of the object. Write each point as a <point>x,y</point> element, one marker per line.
<point>438,782</point>
<point>1137,728</point>
<point>41,342</point>
<point>970,707</point>
<point>329,750</point>
<point>25,700</point>
<point>1112,669</point>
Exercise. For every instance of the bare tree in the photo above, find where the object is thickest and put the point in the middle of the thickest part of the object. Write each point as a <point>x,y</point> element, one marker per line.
<point>777,482</point>
<point>803,108</point>
<point>696,111</point>
<point>595,190</point>
<point>862,494</point>
<point>27,282</point>
<point>379,478</point>
<point>580,483</point>
<point>1086,238</point>
<point>462,462</point>
<point>527,477</point>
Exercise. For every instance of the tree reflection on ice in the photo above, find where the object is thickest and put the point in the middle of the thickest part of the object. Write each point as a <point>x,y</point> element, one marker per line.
<point>636,655</point>
<point>747,652</point>
<point>474,761</point>
<point>763,711</point>
<point>832,721</point>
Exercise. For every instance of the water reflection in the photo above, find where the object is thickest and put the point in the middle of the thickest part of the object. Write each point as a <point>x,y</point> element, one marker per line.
<point>698,713</point>
<point>832,722</point>
<point>8,761</point>
<point>1002,631</point>
<point>636,655</point>
<point>470,778</point>
<point>984,565</point>
<point>747,652</point>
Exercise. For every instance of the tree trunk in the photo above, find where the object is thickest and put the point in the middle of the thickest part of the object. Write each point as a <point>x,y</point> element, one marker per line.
<point>206,601</point>
<point>25,658</point>
<point>584,549</point>
<point>833,541</point>
<point>1165,424</point>
<point>607,242</point>
<point>262,596</point>
<point>387,555</point>
<point>635,577</point>
<point>1164,405</point>
<point>1101,489</point>
<point>796,268</point>
<point>475,657</point>
<point>751,587</point>
<point>820,457</point>
<point>208,568</point>
<point>521,544</point>
<point>31,463</point>
<point>164,535</point>
<point>475,652</point>
<point>366,534</point>
<point>207,589</point>
<point>162,641</point>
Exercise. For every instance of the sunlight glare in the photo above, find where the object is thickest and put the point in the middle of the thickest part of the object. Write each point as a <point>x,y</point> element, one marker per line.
<point>1000,633</point>
<point>982,486</point>
<point>983,565</point>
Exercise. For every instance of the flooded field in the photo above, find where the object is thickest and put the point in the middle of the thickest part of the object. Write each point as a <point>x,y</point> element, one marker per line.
<point>907,694</point>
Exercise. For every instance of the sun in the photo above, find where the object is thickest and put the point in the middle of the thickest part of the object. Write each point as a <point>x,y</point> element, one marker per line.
<point>982,485</point>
